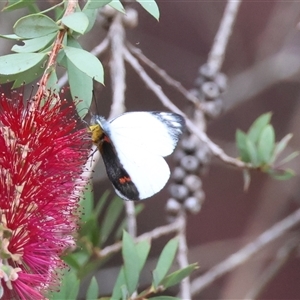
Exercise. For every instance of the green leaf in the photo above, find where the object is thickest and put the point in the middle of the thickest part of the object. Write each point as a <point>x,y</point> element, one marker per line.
<point>77,21</point>
<point>52,81</point>
<point>282,174</point>
<point>10,37</point>
<point>131,267</point>
<point>289,158</point>
<point>34,45</point>
<point>20,62</point>
<point>116,4</point>
<point>30,74</point>
<point>112,214</point>
<point>165,261</point>
<point>86,63</point>
<point>151,7</point>
<point>87,204</point>
<point>34,26</point>
<point>142,249</point>
<point>94,4</point>
<point>101,203</point>
<point>18,4</point>
<point>91,14</point>
<point>252,152</point>
<point>81,86</point>
<point>176,277</point>
<point>120,282</point>
<point>76,259</point>
<point>257,126</point>
<point>93,290</point>
<point>241,143</point>
<point>280,146</point>
<point>68,289</point>
<point>266,144</point>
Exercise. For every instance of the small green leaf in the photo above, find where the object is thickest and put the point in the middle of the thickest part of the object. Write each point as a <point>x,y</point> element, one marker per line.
<point>116,4</point>
<point>20,62</point>
<point>10,37</point>
<point>76,259</point>
<point>93,290</point>
<point>280,146</point>
<point>151,7</point>
<point>289,158</point>
<point>68,289</point>
<point>266,144</point>
<point>94,4</point>
<point>30,74</point>
<point>165,261</point>
<point>77,21</point>
<point>282,174</point>
<point>241,143</point>
<point>252,152</point>
<point>142,249</point>
<point>34,26</point>
<point>52,82</point>
<point>34,45</point>
<point>91,14</point>
<point>81,87</point>
<point>101,203</point>
<point>257,126</point>
<point>86,63</point>
<point>120,282</point>
<point>131,266</point>
<point>18,4</point>
<point>176,277</point>
<point>87,203</point>
<point>112,214</point>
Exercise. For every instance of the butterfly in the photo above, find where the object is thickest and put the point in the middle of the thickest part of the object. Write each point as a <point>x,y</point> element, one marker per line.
<point>133,147</point>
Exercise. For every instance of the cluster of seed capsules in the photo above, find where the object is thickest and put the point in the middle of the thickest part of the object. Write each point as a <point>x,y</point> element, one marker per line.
<point>193,156</point>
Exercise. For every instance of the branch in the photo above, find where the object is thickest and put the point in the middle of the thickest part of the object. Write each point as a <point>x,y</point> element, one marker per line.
<point>164,75</point>
<point>116,35</point>
<point>154,234</point>
<point>246,252</point>
<point>216,55</point>
<point>182,258</point>
<point>271,271</point>
<point>156,89</point>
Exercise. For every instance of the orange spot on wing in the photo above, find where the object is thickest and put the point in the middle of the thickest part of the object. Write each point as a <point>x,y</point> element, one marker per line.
<point>123,180</point>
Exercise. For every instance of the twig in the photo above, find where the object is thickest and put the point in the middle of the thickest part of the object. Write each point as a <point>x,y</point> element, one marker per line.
<point>163,74</point>
<point>216,55</point>
<point>99,49</point>
<point>154,234</point>
<point>245,253</point>
<point>271,271</point>
<point>182,259</point>
<point>156,89</point>
<point>116,35</point>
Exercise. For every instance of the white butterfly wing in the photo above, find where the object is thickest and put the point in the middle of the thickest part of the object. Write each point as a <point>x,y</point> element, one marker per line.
<point>157,131</point>
<point>141,139</point>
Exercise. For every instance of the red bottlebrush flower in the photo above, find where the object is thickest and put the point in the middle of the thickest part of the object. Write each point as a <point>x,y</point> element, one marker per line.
<point>42,154</point>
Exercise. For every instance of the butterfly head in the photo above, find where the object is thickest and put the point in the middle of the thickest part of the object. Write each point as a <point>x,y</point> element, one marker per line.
<point>98,127</point>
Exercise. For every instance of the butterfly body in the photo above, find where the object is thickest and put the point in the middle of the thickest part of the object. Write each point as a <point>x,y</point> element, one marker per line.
<point>133,147</point>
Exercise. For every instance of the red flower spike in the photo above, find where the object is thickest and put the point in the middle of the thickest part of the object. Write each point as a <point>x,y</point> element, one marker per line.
<point>42,154</point>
